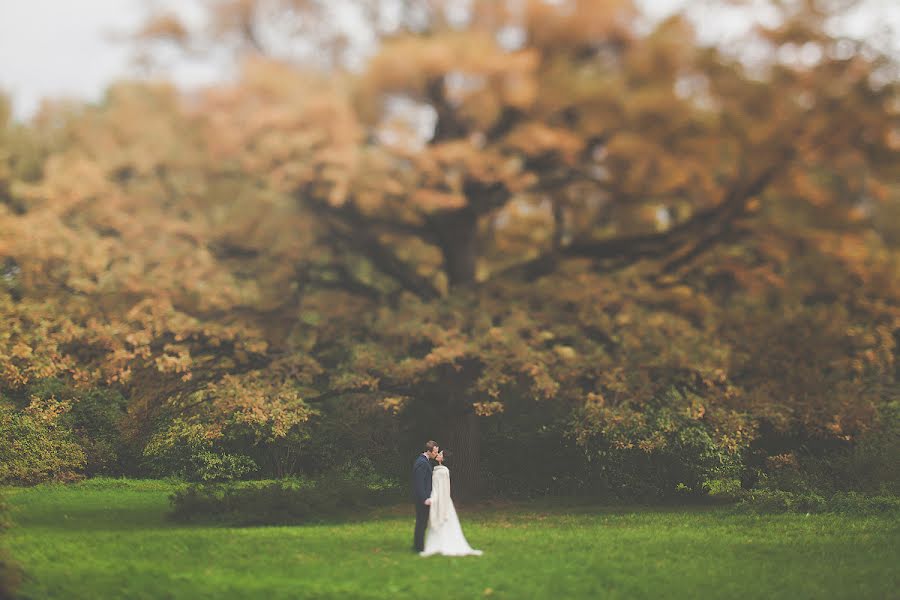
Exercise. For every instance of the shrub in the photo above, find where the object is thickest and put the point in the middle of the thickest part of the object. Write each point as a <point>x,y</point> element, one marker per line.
<point>277,455</point>
<point>846,503</point>
<point>93,417</point>
<point>278,503</point>
<point>777,501</point>
<point>872,464</point>
<point>186,450</point>
<point>353,423</point>
<point>667,449</point>
<point>360,471</point>
<point>724,490</point>
<point>34,446</point>
<point>855,503</point>
<point>800,462</point>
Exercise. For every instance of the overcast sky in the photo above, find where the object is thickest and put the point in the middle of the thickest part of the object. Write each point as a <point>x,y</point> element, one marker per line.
<point>53,48</point>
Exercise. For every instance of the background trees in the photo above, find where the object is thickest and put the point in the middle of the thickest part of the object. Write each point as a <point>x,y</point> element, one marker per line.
<point>539,229</point>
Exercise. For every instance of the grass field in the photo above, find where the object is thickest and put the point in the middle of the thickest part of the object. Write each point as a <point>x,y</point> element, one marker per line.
<point>110,539</point>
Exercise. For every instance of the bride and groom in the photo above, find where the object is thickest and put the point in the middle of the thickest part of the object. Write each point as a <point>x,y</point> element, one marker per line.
<point>434,508</point>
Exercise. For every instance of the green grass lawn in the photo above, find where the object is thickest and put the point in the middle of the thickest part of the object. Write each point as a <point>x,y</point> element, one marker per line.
<point>110,539</point>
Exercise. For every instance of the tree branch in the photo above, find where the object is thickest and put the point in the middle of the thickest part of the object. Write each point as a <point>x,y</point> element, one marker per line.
<point>357,390</point>
<point>448,125</point>
<point>352,228</point>
<point>682,240</point>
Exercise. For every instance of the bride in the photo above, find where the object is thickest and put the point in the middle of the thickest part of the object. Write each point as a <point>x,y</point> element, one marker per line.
<point>444,534</point>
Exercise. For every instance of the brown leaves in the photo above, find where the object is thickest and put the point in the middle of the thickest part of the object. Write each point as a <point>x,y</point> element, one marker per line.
<point>430,201</point>
<point>411,63</point>
<point>164,27</point>
<point>577,23</point>
<point>487,409</point>
<point>534,139</point>
<point>254,398</point>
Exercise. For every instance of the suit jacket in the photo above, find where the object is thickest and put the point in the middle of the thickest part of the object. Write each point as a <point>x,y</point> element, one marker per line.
<point>421,479</point>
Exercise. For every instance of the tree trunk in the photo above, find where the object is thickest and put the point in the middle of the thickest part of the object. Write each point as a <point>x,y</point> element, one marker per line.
<point>461,436</point>
<point>457,234</point>
<point>450,417</point>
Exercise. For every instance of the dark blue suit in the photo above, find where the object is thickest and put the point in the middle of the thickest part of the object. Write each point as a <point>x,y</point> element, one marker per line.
<point>421,485</point>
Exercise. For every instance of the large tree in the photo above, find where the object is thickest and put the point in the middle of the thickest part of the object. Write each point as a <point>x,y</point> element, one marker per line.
<point>543,205</point>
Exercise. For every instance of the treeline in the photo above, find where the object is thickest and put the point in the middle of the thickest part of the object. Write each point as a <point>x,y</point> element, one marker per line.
<point>664,453</point>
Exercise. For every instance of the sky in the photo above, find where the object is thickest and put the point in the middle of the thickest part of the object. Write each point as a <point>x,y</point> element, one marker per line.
<point>74,48</point>
<point>70,48</point>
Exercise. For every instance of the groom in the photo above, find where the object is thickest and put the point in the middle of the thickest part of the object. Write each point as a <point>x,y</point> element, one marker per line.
<point>421,484</point>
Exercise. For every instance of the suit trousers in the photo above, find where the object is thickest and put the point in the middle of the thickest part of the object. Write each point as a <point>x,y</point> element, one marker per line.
<point>421,522</point>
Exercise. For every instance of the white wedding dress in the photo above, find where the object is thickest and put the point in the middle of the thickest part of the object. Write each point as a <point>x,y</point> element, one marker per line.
<point>444,534</point>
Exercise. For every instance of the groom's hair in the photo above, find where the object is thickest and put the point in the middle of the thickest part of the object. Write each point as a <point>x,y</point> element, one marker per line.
<point>429,445</point>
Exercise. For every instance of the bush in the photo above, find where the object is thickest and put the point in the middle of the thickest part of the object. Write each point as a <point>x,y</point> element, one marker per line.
<point>279,503</point>
<point>93,417</point>
<point>778,501</point>
<point>361,471</point>
<point>352,422</point>
<point>665,450</point>
<point>211,466</point>
<point>802,462</point>
<point>724,490</point>
<point>845,503</point>
<point>185,450</point>
<point>277,455</point>
<point>872,464</point>
<point>855,503</point>
<point>34,446</point>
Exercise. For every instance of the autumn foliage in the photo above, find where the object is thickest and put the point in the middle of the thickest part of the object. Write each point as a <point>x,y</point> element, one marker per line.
<point>602,243</point>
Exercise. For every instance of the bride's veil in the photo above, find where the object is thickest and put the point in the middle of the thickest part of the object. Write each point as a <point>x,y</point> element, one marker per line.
<point>440,497</point>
